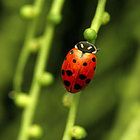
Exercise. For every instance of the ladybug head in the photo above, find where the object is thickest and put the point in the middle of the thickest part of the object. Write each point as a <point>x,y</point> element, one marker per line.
<point>86,47</point>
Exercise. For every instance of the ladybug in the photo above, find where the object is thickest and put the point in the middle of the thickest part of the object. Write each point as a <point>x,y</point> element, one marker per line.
<point>79,66</point>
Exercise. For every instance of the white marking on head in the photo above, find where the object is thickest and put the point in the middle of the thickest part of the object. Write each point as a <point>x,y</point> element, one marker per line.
<point>94,52</point>
<point>89,47</point>
<point>82,46</point>
<point>76,47</point>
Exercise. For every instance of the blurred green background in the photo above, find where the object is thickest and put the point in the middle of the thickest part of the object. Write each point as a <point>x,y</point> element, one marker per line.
<point>109,107</point>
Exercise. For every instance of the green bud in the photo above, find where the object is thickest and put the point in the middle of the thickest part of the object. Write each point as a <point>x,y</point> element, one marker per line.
<point>90,34</point>
<point>22,99</point>
<point>46,79</point>
<point>35,131</point>
<point>78,132</point>
<point>54,18</point>
<point>28,11</point>
<point>106,18</point>
<point>67,100</point>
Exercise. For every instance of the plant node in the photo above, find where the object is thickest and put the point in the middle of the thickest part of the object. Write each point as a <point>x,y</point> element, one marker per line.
<point>22,100</point>
<point>90,34</point>
<point>35,131</point>
<point>28,11</point>
<point>54,18</point>
<point>78,132</point>
<point>46,79</point>
<point>106,18</point>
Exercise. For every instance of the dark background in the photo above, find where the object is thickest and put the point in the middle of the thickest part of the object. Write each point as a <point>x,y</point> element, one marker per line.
<point>110,103</point>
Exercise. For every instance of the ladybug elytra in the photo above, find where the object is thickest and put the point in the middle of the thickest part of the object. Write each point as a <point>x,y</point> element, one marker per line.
<point>79,66</point>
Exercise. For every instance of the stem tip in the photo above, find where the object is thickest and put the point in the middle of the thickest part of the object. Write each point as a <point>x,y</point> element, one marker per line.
<point>90,34</point>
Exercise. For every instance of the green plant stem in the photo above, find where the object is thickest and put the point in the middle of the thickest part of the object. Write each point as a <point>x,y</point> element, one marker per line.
<point>98,18</point>
<point>96,23</point>
<point>35,87</point>
<point>57,6</point>
<point>25,52</point>
<point>71,117</point>
<point>39,69</point>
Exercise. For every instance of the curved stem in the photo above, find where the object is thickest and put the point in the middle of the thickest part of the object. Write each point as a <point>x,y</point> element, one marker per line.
<point>35,87</point>
<point>25,52</point>
<point>96,23</point>
<point>39,69</point>
<point>71,117</point>
<point>97,20</point>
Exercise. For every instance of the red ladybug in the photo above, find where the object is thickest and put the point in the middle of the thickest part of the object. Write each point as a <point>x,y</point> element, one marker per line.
<point>79,66</point>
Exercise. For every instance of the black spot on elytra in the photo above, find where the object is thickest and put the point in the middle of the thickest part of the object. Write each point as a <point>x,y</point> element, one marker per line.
<point>94,59</point>
<point>77,86</point>
<point>66,83</point>
<point>94,68</point>
<point>88,80</point>
<point>69,72</point>
<point>84,64</point>
<point>74,61</point>
<point>63,72</point>
<point>71,52</point>
<point>82,77</point>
